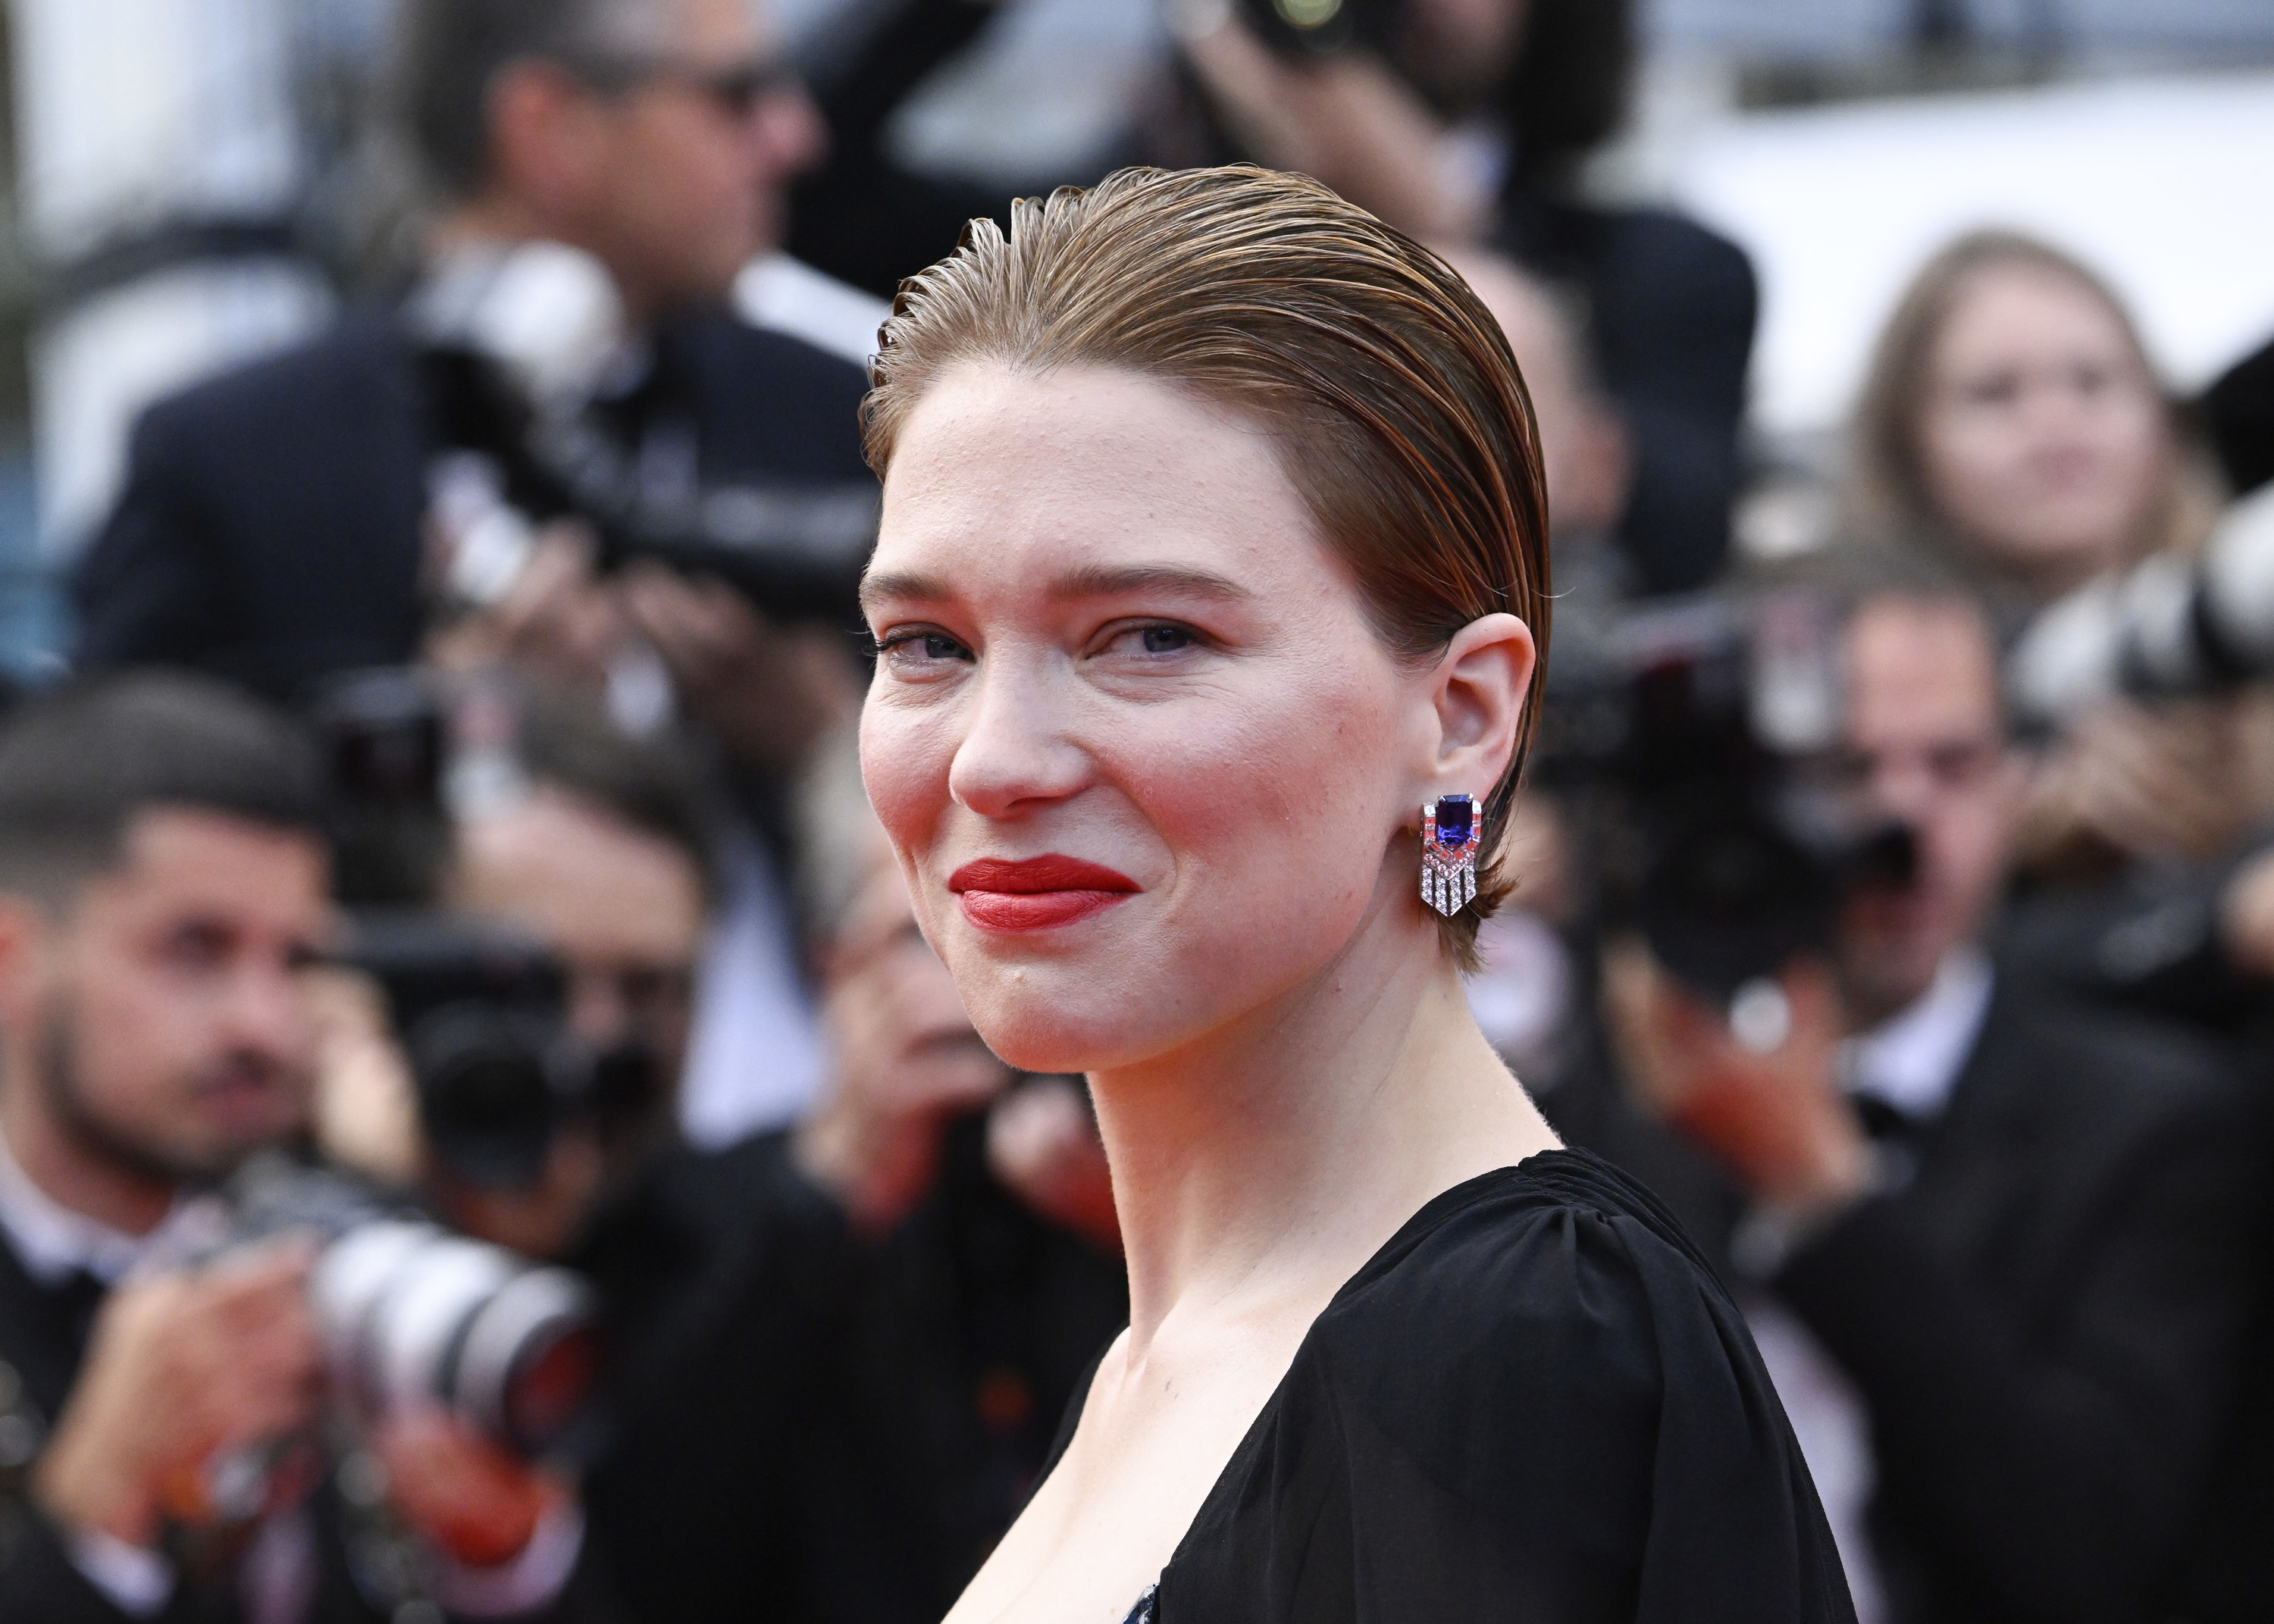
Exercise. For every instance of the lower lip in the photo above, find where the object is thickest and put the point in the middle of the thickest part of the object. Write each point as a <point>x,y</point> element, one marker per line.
<point>1037,910</point>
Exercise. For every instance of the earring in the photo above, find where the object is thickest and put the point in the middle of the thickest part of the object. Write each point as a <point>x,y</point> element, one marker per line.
<point>1449,854</point>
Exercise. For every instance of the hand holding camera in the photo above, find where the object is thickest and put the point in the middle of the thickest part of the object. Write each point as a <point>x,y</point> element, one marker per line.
<point>1757,1090</point>
<point>185,1368</point>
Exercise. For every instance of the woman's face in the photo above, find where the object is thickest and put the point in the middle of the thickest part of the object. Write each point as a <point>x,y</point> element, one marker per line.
<point>2043,440</point>
<point>1141,755</point>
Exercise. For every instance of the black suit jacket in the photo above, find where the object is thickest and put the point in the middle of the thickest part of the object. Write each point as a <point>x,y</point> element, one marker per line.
<point>269,526</point>
<point>43,1333</point>
<point>1671,308</point>
<point>815,1428</point>
<point>2046,1324</point>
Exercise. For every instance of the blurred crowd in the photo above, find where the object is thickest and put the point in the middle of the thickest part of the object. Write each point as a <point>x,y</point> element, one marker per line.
<point>482,1137</point>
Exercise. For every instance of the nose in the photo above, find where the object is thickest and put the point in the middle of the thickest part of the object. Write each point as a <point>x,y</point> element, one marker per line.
<point>787,136</point>
<point>1016,755</point>
<point>1902,786</point>
<point>266,1013</point>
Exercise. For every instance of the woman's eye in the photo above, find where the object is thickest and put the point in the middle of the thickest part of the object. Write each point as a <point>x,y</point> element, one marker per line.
<point>906,650</point>
<point>1142,641</point>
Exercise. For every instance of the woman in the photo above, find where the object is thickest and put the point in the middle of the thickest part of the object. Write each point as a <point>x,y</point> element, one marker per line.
<point>2012,423</point>
<point>1208,579</point>
<point>2012,427</point>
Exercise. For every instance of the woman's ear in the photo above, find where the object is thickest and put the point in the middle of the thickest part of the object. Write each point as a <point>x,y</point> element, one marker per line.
<point>1478,692</point>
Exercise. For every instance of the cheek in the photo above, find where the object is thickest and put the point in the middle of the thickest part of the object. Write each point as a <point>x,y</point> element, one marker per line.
<point>904,766</point>
<point>128,1030</point>
<point>1264,803</point>
<point>1975,457</point>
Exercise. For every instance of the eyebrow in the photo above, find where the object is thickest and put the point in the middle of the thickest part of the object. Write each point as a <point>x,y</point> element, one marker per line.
<point>1089,581</point>
<point>903,584</point>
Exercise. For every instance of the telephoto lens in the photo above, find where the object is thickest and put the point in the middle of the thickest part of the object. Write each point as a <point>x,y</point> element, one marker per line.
<point>413,1315</point>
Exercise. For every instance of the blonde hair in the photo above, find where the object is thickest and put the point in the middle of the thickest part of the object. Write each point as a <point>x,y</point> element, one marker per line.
<point>1402,419</point>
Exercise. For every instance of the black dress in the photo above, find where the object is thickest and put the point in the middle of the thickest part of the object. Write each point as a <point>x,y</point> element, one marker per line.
<point>1534,1403</point>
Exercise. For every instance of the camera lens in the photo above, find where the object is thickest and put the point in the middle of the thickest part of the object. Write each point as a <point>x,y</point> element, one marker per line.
<point>486,1092</point>
<point>413,1315</point>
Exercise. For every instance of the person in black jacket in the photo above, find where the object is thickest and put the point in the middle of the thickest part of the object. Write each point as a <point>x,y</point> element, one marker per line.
<point>162,901</point>
<point>287,521</point>
<point>2004,1244</point>
<point>2238,417</point>
<point>836,1351</point>
<point>1467,124</point>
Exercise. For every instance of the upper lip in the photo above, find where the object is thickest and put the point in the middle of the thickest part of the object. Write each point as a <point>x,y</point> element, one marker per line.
<point>1030,874</point>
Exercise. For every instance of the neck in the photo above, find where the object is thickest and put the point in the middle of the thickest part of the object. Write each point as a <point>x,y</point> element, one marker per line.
<point>68,1171</point>
<point>501,219</point>
<point>1277,1153</point>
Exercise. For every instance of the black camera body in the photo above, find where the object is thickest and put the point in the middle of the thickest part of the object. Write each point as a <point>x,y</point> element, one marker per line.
<point>481,1013</point>
<point>1700,736</point>
<point>795,552</point>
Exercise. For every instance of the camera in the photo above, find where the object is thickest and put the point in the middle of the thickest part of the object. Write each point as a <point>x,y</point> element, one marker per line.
<point>480,1012</point>
<point>1301,28</point>
<point>411,1314</point>
<point>1699,737</point>
<point>514,350</point>
<point>2170,627</point>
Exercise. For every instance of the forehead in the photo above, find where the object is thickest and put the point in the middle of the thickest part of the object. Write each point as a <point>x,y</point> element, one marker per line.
<point>181,859</point>
<point>585,882</point>
<point>2005,307</point>
<point>1006,480</point>
<point>708,25</point>
<point>1920,670</point>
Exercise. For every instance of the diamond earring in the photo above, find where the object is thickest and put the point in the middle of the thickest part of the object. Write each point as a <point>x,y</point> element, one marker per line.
<point>1449,854</point>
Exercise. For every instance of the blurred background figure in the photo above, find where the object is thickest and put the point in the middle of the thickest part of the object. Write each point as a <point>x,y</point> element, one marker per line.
<point>1963,1193</point>
<point>162,907</point>
<point>1471,122</point>
<point>839,1352</point>
<point>2012,427</point>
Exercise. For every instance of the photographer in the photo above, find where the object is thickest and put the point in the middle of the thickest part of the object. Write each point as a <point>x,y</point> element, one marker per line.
<point>162,897</point>
<point>2013,429</point>
<point>601,170</point>
<point>1469,121</point>
<point>2006,1242</point>
<point>839,1354</point>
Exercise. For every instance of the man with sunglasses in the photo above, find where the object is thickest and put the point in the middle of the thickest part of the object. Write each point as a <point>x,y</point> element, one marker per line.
<point>307,515</point>
<point>597,173</point>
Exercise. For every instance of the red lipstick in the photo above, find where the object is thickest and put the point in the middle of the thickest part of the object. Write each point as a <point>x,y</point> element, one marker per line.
<point>1037,893</point>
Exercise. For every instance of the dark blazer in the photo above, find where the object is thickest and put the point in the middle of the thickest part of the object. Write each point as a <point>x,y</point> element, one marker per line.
<point>813,1428</point>
<point>1671,308</point>
<point>43,1333</point>
<point>269,527</point>
<point>2046,1322</point>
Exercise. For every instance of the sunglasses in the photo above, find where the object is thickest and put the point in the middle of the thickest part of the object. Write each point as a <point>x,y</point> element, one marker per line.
<point>736,90</point>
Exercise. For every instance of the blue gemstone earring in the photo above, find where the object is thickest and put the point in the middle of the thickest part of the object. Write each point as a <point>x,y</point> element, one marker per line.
<point>1449,854</point>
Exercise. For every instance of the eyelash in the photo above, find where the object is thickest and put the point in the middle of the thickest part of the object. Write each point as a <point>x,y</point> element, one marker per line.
<point>917,634</point>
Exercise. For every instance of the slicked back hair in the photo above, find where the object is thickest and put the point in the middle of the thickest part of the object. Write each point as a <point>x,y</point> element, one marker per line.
<point>1389,389</point>
<point>449,53</point>
<point>77,766</point>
